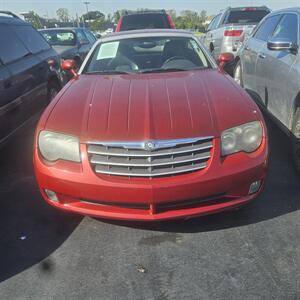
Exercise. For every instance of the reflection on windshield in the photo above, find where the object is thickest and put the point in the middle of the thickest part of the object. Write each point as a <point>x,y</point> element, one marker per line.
<point>147,55</point>
<point>58,38</point>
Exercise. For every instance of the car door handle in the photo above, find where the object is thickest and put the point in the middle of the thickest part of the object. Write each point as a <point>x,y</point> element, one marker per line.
<point>262,55</point>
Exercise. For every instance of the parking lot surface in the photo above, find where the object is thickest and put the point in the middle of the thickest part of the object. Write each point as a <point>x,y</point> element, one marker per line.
<point>252,253</point>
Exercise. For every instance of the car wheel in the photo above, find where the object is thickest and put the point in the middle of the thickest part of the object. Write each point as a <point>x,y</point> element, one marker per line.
<point>52,91</point>
<point>237,73</point>
<point>212,51</point>
<point>296,140</point>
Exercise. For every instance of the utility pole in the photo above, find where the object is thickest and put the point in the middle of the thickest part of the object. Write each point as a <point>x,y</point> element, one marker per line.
<point>86,3</point>
<point>77,20</point>
<point>87,6</point>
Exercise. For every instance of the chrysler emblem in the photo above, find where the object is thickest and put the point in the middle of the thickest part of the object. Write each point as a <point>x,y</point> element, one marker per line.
<point>150,146</point>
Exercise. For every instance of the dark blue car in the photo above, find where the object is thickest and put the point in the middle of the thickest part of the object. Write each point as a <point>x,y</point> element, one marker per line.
<point>29,73</point>
<point>70,43</point>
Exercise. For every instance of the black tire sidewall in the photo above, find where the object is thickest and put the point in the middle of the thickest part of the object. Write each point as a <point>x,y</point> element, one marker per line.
<point>238,64</point>
<point>296,139</point>
<point>52,85</point>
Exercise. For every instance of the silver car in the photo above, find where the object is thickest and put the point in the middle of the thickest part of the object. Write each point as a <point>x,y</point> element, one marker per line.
<point>268,66</point>
<point>228,29</point>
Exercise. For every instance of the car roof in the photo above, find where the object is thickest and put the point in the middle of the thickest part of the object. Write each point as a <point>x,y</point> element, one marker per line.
<point>144,12</point>
<point>248,7</point>
<point>62,29</point>
<point>147,32</point>
<point>9,20</point>
<point>285,10</point>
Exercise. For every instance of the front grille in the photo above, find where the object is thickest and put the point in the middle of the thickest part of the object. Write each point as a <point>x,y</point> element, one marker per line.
<point>157,208</point>
<point>151,158</point>
<point>191,203</point>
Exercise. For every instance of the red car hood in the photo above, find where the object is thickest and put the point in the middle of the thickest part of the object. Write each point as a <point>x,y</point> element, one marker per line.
<point>150,106</point>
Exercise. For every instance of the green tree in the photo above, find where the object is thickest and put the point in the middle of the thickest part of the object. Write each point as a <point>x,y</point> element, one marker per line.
<point>93,15</point>
<point>63,15</point>
<point>203,16</point>
<point>98,24</point>
<point>34,19</point>
<point>117,16</point>
<point>96,20</point>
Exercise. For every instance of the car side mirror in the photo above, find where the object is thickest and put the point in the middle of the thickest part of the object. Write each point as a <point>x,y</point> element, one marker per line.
<point>70,65</point>
<point>224,59</point>
<point>282,44</point>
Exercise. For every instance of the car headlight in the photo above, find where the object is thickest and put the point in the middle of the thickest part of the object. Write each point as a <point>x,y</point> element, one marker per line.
<point>246,137</point>
<point>54,146</point>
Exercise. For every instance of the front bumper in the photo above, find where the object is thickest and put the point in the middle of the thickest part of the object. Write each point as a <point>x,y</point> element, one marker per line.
<point>223,185</point>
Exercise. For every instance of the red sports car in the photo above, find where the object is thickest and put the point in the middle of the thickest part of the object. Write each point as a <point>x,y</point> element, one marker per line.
<point>150,129</point>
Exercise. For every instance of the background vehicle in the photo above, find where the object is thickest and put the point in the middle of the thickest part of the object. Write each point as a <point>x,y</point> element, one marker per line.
<point>109,31</point>
<point>166,134</point>
<point>227,29</point>
<point>29,73</point>
<point>145,20</point>
<point>268,66</point>
<point>70,43</point>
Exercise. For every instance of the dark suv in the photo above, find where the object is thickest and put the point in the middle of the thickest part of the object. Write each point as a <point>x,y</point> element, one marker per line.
<point>29,73</point>
<point>144,20</point>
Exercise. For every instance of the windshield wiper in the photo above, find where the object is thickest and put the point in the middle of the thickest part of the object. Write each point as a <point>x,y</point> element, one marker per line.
<point>170,70</point>
<point>162,70</point>
<point>111,72</point>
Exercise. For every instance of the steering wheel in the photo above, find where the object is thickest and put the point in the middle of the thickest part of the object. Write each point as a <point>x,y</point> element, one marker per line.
<point>123,61</point>
<point>174,58</point>
<point>134,66</point>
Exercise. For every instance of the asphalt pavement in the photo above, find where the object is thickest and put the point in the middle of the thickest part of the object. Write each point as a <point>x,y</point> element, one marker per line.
<point>251,253</point>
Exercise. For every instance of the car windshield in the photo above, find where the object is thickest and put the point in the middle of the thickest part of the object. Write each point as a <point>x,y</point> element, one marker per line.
<point>60,38</point>
<point>245,16</point>
<point>146,55</point>
<point>142,21</point>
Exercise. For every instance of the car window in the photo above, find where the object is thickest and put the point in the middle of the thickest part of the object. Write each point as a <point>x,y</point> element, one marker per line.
<point>81,36</point>
<point>142,54</point>
<point>11,47</point>
<point>59,37</point>
<point>217,20</point>
<point>245,16</point>
<point>143,21</point>
<point>287,28</point>
<point>32,39</point>
<point>211,24</point>
<point>266,29</point>
<point>214,22</point>
<point>90,36</point>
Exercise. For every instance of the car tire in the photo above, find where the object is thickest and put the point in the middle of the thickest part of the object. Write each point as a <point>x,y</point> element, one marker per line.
<point>52,90</point>
<point>212,50</point>
<point>296,140</point>
<point>237,74</point>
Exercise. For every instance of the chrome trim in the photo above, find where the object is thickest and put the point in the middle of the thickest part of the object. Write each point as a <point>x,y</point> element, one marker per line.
<point>108,163</point>
<point>203,166</point>
<point>161,144</point>
<point>149,154</point>
<point>150,158</point>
